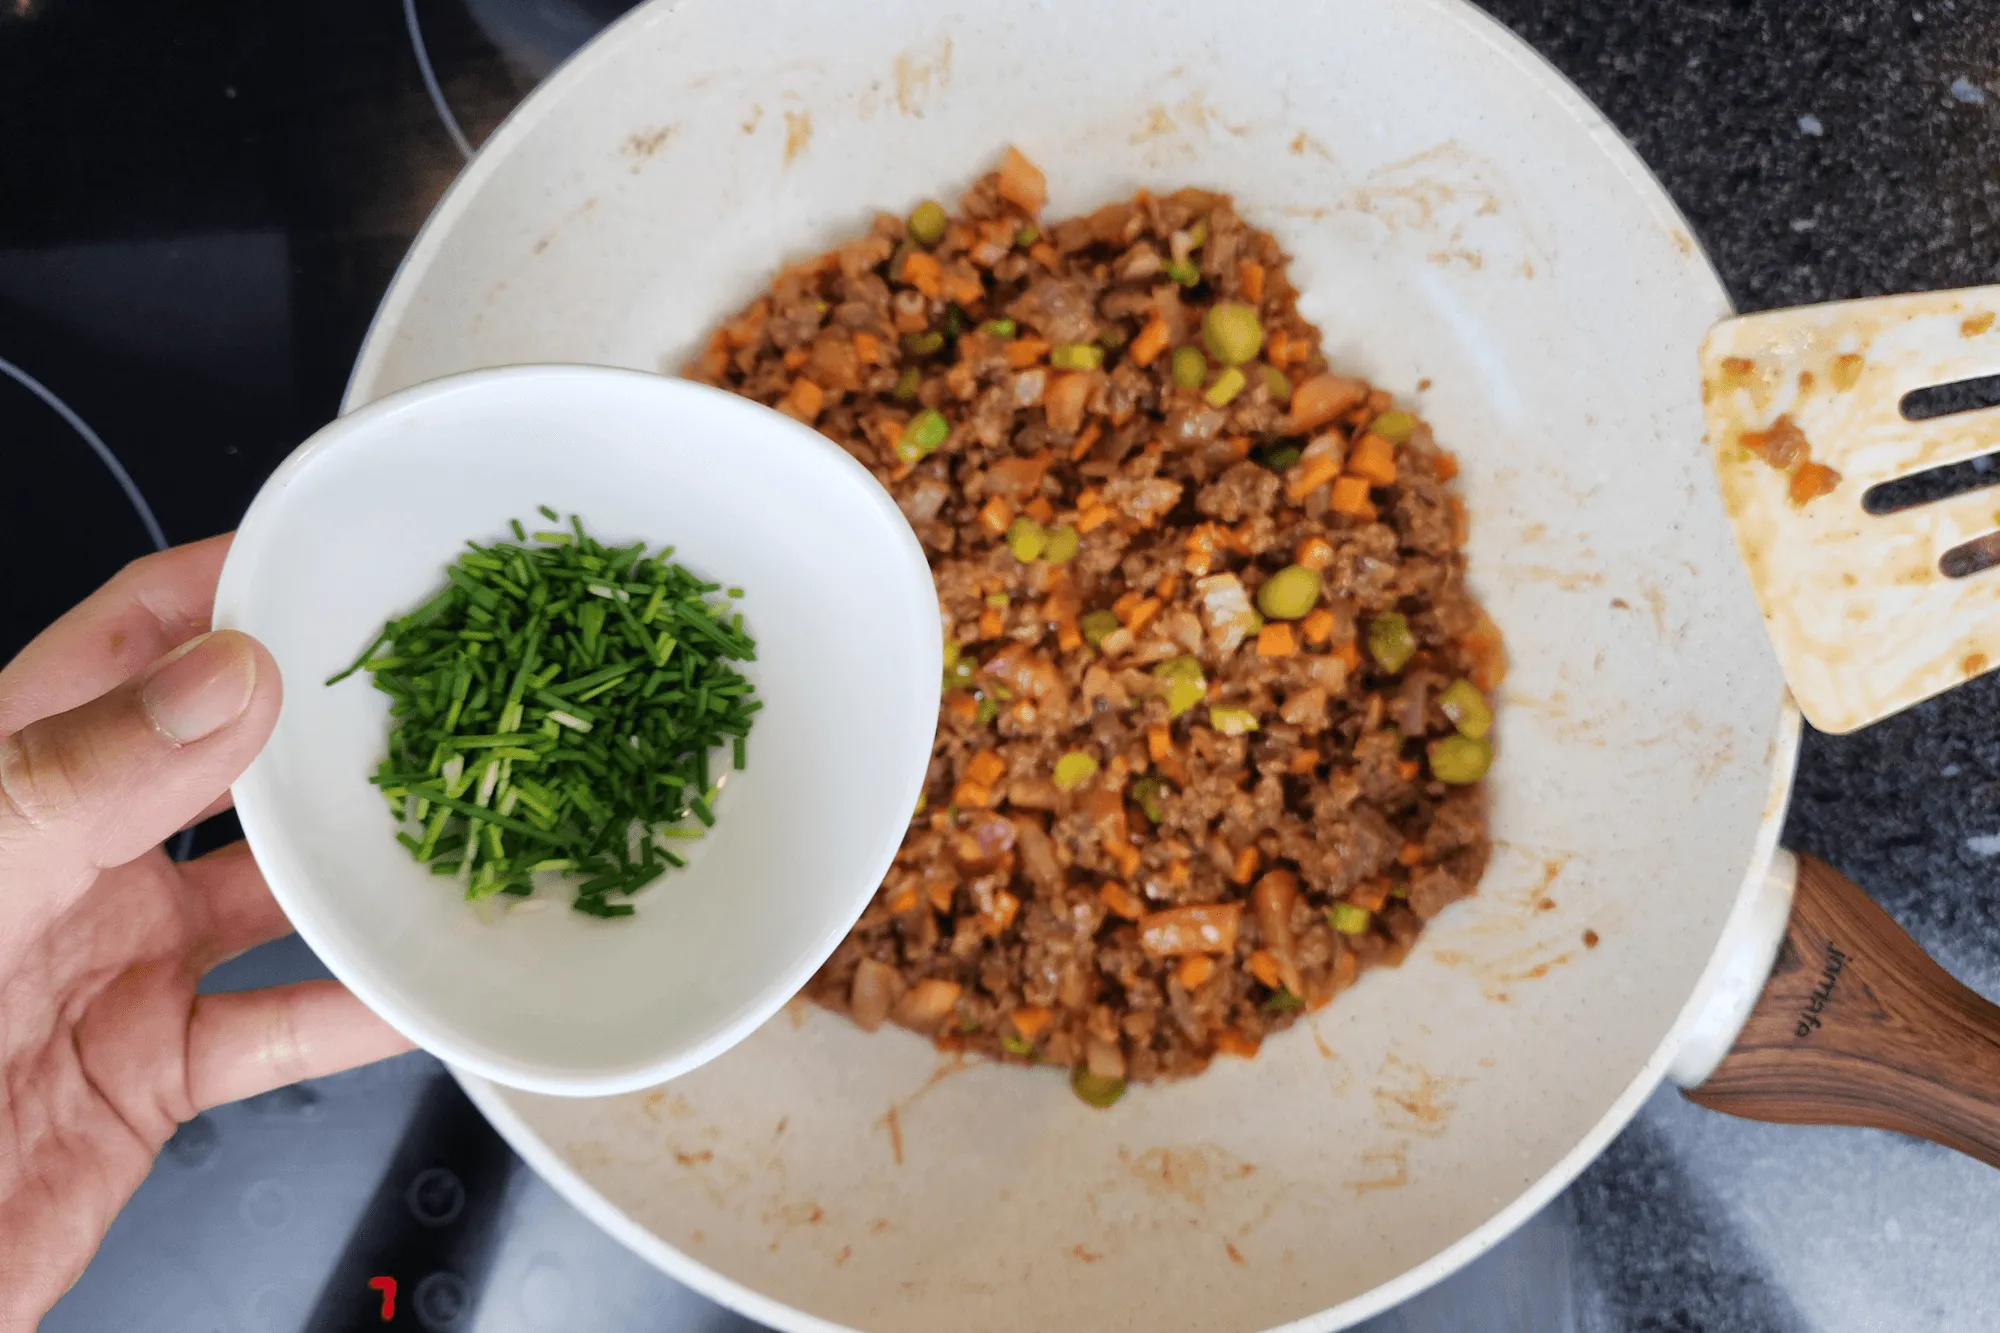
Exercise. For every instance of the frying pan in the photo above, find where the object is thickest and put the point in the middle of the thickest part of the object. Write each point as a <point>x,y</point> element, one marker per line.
<point>1470,234</point>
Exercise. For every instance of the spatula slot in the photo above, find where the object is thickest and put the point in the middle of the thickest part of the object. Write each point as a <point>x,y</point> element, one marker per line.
<point>1971,557</point>
<point>1944,400</point>
<point>1932,485</point>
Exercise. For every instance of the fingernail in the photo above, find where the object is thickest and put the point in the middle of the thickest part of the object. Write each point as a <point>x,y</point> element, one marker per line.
<point>201,686</point>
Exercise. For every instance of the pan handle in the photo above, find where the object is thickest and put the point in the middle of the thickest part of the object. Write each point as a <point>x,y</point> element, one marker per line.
<point>1857,1026</point>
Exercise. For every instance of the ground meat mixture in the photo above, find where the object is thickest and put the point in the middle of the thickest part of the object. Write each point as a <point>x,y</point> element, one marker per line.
<point>1214,715</point>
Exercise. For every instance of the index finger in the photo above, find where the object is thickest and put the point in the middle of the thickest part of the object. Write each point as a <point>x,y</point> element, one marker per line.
<point>151,606</point>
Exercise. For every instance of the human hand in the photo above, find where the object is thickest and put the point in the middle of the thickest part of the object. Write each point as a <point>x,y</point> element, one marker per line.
<point>121,724</point>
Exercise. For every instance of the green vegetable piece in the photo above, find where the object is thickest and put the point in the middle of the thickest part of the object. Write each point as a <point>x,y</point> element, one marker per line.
<point>923,344</point>
<point>1190,367</point>
<point>959,669</point>
<point>1349,919</point>
<point>1232,721</point>
<point>1146,791</point>
<point>1282,1001</point>
<point>1096,1090</point>
<point>1460,760</point>
<point>1394,427</point>
<point>1063,545</point>
<point>1282,457</point>
<point>1028,235</point>
<point>986,710</point>
<point>1277,383</point>
<point>999,328</point>
<point>1186,686</point>
<point>1076,356</point>
<point>906,384</point>
<point>1095,625</point>
<point>1198,233</point>
<point>927,223</point>
<point>954,321</point>
<point>1182,271</point>
<point>1390,642</point>
<point>1074,769</point>
<point>1027,539</point>
<point>1227,385</point>
<point>1015,1044</point>
<point>1231,332</point>
<point>1466,706</point>
<point>921,437</point>
<point>1289,594</point>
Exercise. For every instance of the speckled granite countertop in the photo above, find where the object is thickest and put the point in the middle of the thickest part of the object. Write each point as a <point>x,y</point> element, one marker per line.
<point>247,200</point>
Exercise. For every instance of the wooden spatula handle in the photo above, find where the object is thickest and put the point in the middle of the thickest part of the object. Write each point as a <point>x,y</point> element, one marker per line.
<point>1858,1026</point>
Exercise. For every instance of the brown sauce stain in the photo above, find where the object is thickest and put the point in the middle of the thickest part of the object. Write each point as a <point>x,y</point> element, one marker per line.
<point>1411,1100</point>
<point>878,1226</point>
<point>784,1122</point>
<point>1546,905</point>
<point>1158,125</point>
<point>1304,143</point>
<point>804,1214</point>
<point>1084,1255</point>
<point>1974,325</point>
<point>1973,664</point>
<point>917,79</point>
<point>1682,242</point>
<point>750,122</point>
<point>1235,1255</point>
<point>693,1158</point>
<point>798,133</point>
<point>1806,382</point>
<point>1846,371</point>
<point>644,143</point>
<point>1590,939</point>
<point>846,1253</point>
<point>1620,604</point>
<point>892,1119</point>
<point>1325,1051</point>
<point>1396,1160</point>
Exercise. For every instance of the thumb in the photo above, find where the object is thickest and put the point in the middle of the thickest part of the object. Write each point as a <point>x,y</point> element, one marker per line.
<point>100,784</point>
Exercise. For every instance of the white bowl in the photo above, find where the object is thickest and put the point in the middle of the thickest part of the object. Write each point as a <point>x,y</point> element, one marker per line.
<point>357,526</point>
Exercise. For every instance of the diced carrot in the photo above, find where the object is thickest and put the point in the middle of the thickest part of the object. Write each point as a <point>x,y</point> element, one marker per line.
<point>1305,761</point>
<point>986,768</point>
<point>961,705</point>
<point>1322,398</point>
<point>1024,352</point>
<point>713,362</point>
<point>1276,640</point>
<point>1200,928</point>
<point>1349,653</point>
<point>1446,466</point>
<point>1407,769</point>
<point>1127,857</point>
<point>1094,517</point>
<point>1263,965</point>
<point>1069,637</point>
<point>1244,868</point>
<point>1229,1041</point>
<point>1121,901</point>
<point>804,401</point>
<point>1350,496</point>
<point>1278,348</point>
<point>1314,553</point>
<point>1152,341</point>
<point>961,284</point>
<point>1345,968</point>
<point>903,900</point>
<point>1122,608</point>
<point>1043,253</point>
<point>1374,457</point>
<point>1194,970</point>
<point>794,357</point>
<point>869,348</point>
<point>922,271</point>
<point>1031,1021</point>
<point>1040,510</point>
<point>1412,854</point>
<point>1005,907</point>
<point>1159,741</point>
<point>1091,435</point>
<point>1173,770</point>
<point>1489,655</point>
<point>1021,182</point>
<point>748,328</point>
<point>926,1004</point>
<point>1239,445</point>
<point>1178,872</point>
<point>1250,277</point>
<point>996,514</point>
<point>969,792</point>
<point>992,623</point>
<point>1317,627</point>
<point>1372,896</point>
<point>1308,475</point>
<point>1461,525</point>
<point>1142,614</point>
<point>1811,481</point>
<point>1168,585</point>
<point>1064,399</point>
